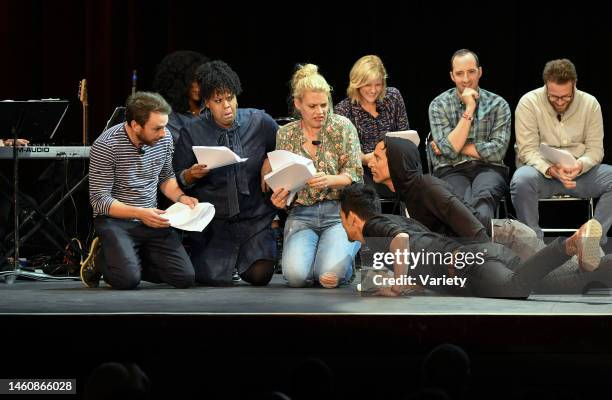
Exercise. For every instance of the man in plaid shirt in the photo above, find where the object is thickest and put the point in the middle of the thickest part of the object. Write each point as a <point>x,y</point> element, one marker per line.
<point>470,128</point>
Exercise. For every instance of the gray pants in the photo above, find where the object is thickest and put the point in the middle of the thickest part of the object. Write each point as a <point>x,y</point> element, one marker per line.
<point>479,184</point>
<point>528,185</point>
<point>523,241</point>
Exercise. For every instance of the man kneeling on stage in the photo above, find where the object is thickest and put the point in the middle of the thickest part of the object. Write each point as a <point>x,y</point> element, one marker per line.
<point>421,258</point>
<point>127,164</point>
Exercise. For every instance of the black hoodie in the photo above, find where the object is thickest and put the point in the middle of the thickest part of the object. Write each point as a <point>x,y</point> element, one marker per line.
<point>428,199</point>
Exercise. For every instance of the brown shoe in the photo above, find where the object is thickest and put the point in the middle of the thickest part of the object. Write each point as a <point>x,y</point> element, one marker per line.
<point>90,273</point>
<point>585,244</point>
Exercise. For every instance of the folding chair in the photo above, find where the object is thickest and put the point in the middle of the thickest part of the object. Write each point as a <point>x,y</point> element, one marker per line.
<point>428,152</point>
<point>566,198</point>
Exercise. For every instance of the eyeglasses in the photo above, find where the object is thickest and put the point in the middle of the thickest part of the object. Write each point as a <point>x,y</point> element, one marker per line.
<point>564,99</point>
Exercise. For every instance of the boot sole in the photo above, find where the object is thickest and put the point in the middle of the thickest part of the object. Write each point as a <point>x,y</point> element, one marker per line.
<point>590,246</point>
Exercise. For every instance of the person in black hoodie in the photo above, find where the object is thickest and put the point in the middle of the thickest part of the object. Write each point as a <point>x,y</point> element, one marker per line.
<point>429,200</point>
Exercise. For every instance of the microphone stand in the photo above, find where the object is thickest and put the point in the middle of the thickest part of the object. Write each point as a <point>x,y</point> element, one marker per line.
<point>10,279</point>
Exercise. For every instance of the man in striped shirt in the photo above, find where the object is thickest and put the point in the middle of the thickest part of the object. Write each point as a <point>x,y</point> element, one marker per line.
<point>128,162</point>
<point>470,128</point>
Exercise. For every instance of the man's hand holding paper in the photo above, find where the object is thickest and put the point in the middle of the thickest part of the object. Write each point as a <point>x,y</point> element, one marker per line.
<point>196,218</point>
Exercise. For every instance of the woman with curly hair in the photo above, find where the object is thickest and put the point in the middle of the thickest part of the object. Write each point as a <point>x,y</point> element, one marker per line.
<point>240,235</point>
<point>175,81</point>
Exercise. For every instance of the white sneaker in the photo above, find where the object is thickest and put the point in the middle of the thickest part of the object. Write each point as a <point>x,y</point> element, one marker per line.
<point>587,245</point>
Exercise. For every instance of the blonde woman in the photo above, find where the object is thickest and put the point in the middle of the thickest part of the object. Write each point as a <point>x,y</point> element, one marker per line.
<point>316,249</point>
<point>372,107</point>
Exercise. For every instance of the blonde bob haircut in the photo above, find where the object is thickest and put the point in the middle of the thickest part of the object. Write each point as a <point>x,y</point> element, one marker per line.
<point>365,69</point>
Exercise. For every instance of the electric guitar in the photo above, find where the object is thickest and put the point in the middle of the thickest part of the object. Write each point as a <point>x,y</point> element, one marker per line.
<point>84,102</point>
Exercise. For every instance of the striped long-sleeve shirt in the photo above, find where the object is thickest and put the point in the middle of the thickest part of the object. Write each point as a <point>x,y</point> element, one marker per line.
<point>119,171</point>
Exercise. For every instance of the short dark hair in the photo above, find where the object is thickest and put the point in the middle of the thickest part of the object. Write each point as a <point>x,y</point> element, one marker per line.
<point>383,140</point>
<point>360,199</point>
<point>140,105</point>
<point>217,77</point>
<point>559,71</point>
<point>461,53</point>
<point>174,75</point>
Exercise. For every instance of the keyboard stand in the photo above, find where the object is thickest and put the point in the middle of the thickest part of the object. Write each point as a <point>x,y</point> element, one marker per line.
<point>22,114</point>
<point>39,218</point>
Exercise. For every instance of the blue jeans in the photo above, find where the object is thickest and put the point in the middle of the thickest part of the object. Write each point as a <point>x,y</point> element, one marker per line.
<point>316,244</point>
<point>528,185</point>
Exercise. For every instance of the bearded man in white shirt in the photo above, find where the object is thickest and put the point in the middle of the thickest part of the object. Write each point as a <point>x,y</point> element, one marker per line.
<point>566,118</point>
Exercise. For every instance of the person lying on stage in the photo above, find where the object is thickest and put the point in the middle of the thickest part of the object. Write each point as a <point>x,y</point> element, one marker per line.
<point>240,235</point>
<point>477,269</point>
<point>397,164</point>
<point>128,162</point>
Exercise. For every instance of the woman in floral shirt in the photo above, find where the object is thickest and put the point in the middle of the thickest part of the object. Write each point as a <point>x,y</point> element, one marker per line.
<point>316,249</point>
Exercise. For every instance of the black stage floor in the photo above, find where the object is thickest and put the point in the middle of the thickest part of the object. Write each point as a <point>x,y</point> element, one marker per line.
<point>71,297</point>
<point>232,342</point>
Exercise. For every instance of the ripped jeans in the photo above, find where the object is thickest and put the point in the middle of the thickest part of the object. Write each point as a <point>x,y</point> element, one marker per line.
<point>315,244</point>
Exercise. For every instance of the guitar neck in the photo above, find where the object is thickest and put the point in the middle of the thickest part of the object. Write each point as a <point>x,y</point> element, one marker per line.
<point>85,124</point>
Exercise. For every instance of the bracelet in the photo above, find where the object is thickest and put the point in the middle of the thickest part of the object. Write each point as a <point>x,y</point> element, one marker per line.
<point>468,117</point>
<point>179,197</point>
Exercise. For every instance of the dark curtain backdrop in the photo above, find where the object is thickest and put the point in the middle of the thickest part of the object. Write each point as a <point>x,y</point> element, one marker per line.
<point>50,45</point>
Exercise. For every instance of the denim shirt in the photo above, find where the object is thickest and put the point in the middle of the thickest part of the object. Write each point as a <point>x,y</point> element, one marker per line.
<point>234,190</point>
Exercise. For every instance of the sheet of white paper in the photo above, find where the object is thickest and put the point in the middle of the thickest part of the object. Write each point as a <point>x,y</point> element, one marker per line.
<point>411,135</point>
<point>216,156</point>
<point>289,171</point>
<point>280,158</point>
<point>557,156</point>
<point>292,177</point>
<point>190,219</point>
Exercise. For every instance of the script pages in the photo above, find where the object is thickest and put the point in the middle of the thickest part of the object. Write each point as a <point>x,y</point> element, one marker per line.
<point>289,171</point>
<point>216,156</point>
<point>411,135</point>
<point>557,156</point>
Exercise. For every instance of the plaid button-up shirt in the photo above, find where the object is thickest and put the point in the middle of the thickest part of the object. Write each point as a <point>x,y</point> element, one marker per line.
<point>489,132</point>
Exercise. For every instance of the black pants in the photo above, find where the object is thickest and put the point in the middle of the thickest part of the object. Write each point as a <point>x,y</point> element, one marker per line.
<point>480,185</point>
<point>503,274</point>
<point>132,251</point>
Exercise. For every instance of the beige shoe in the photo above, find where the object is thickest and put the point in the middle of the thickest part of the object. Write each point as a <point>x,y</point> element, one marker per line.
<point>586,243</point>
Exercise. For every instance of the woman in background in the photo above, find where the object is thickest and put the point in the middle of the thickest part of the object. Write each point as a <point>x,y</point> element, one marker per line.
<point>175,81</point>
<point>374,109</point>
